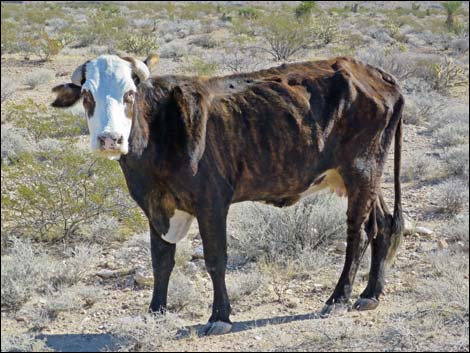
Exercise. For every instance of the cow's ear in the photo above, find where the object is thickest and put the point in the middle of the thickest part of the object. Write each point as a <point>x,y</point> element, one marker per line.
<point>151,61</point>
<point>192,105</point>
<point>67,95</point>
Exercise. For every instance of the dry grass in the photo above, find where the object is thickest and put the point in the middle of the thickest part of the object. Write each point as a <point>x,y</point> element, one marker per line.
<point>281,261</point>
<point>453,196</point>
<point>145,333</point>
<point>39,77</point>
<point>258,231</point>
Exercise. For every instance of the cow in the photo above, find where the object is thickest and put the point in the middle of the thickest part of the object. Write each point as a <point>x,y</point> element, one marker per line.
<point>189,147</point>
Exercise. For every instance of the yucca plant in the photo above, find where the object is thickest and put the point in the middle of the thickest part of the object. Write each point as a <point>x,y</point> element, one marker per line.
<point>451,7</point>
<point>305,8</point>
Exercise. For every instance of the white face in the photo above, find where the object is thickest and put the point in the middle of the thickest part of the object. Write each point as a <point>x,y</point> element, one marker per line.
<point>108,96</point>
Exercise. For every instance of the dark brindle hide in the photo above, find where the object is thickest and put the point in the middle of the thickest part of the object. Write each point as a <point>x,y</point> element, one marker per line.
<point>198,145</point>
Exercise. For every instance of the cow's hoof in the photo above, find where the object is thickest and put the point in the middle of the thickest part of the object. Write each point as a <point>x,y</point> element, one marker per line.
<point>363,304</point>
<point>217,328</point>
<point>333,309</point>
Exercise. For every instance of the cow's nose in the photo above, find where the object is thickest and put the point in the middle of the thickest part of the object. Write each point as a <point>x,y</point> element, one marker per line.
<point>109,140</point>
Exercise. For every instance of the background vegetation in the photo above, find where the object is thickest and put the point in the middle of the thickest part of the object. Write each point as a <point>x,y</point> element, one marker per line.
<point>75,248</point>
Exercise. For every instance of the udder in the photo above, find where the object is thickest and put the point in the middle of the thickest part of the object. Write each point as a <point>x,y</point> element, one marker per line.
<point>330,180</point>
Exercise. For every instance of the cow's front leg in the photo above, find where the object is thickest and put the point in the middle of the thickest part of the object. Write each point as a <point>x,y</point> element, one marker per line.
<point>163,261</point>
<point>212,226</point>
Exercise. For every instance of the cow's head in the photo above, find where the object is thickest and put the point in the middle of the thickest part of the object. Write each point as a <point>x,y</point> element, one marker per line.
<point>107,85</point>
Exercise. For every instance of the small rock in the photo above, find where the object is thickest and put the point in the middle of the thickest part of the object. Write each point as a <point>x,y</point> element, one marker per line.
<point>318,287</point>
<point>142,278</point>
<point>414,40</point>
<point>341,247</point>
<point>198,253</point>
<point>257,338</point>
<point>105,273</point>
<point>409,227</point>
<point>442,244</point>
<point>423,231</point>
<point>110,265</point>
<point>292,303</point>
<point>191,268</point>
<point>125,306</point>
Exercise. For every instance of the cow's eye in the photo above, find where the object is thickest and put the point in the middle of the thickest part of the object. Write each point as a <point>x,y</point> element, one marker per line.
<point>86,96</point>
<point>129,97</point>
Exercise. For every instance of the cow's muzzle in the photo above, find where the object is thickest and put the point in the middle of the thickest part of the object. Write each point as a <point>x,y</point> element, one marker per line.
<point>110,141</point>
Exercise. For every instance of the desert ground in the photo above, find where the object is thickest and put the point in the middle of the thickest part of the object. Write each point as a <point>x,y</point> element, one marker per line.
<point>76,270</point>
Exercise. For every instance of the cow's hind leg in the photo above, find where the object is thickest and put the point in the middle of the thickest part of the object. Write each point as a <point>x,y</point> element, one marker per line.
<point>381,251</point>
<point>361,198</point>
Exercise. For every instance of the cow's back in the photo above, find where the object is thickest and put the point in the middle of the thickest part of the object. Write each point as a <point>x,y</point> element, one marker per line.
<point>273,131</point>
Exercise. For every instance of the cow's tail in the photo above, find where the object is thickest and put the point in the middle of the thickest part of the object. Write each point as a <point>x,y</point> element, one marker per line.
<point>398,224</point>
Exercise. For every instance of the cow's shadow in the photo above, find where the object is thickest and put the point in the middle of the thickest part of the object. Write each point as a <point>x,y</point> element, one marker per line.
<point>240,326</point>
<point>96,342</point>
<point>108,342</point>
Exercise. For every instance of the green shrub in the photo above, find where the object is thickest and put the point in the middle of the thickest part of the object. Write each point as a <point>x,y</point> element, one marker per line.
<point>49,195</point>
<point>445,75</point>
<point>43,121</point>
<point>9,30</point>
<point>325,28</point>
<point>200,67</point>
<point>393,29</point>
<point>286,36</point>
<point>305,8</point>
<point>140,44</point>
<point>248,12</point>
<point>106,26</point>
<point>45,46</point>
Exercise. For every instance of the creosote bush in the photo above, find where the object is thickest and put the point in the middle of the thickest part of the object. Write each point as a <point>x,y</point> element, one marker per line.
<point>42,121</point>
<point>286,35</point>
<point>49,195</point>
<point>200,67</point>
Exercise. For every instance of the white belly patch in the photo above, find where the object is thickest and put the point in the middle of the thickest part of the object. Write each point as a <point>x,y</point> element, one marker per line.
<point>330,179</point>
<point>179,226</point>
